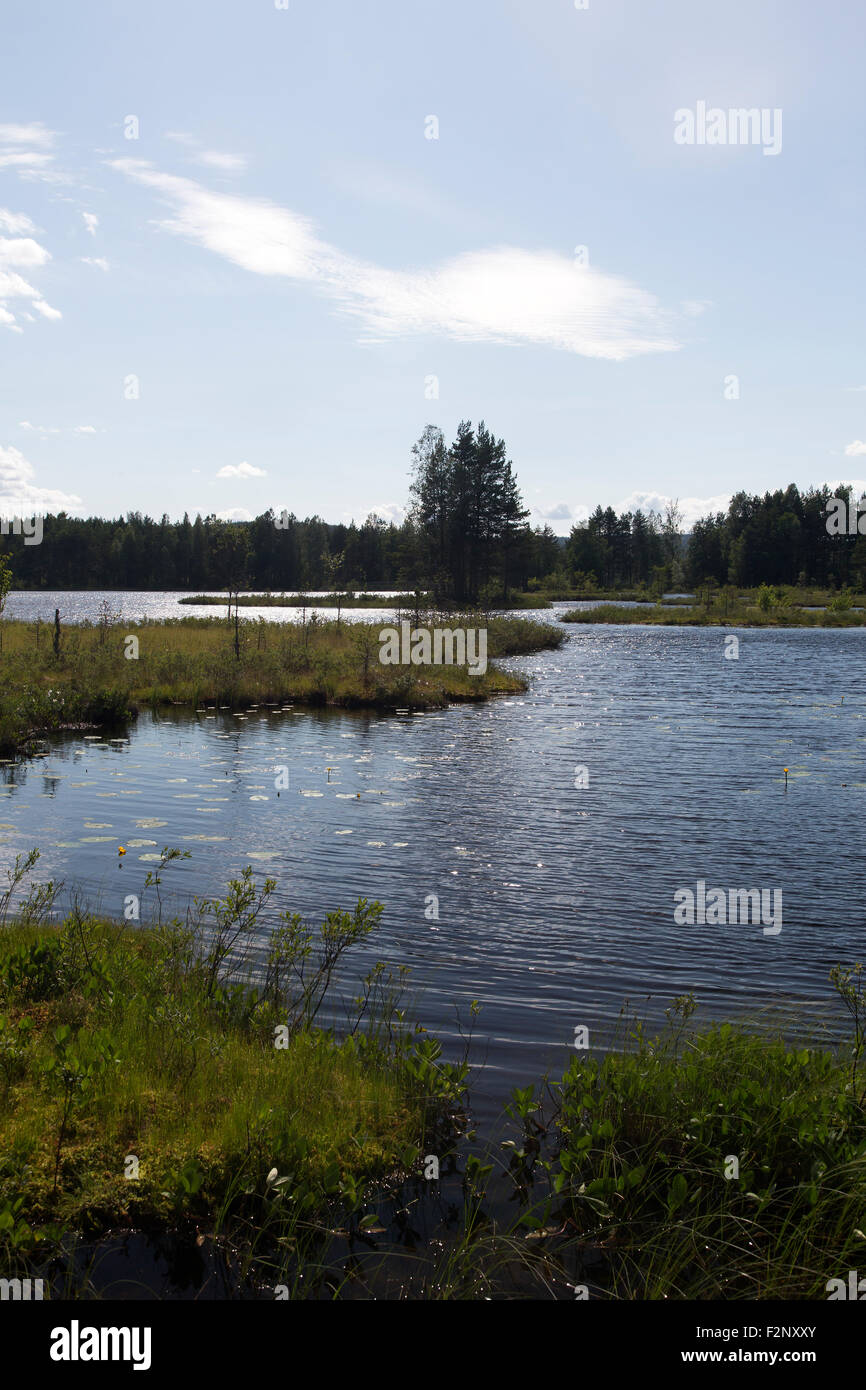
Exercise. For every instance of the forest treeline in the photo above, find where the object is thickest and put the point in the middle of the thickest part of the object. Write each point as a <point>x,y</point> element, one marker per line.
<point>466,537</point>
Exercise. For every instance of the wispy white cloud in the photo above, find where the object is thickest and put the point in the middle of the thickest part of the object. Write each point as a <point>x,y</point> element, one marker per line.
<point>12,286</point>
<point>855,448</point>
<point>27,149</point>
<point>15,222</point>
<point>502,294</point>
<point>215,159</point>
<point>46,310</point>
<point>28,254</point>
<point>228,163</point>
<point>29,159</point>
<point>99,261</point>
<point>241,470</point>
<point>234,514</point>
<point>33,134</point>
<point>56,429</point>
<point>91,222</point>
<point>693,308</point>
<point>19,493</point>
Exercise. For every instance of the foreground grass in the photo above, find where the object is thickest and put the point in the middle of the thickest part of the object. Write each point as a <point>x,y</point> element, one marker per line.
<point>719,1163</point>
<point>142,1084</point>
<point>103,672</point>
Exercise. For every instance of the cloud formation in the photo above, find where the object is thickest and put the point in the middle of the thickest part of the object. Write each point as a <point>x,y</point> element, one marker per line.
<point>25,253</point>
<point>503,294</point>
<point>20,495</point>
<point>26,148</point>
<point>560,512</point>
<point>33,134</point>
<point>241,470</point>
<point>56,429</point>
<point>228,163</point>
<point>855,448</point>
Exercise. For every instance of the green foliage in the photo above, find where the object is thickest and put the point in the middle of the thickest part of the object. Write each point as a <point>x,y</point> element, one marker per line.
<point>468,513</point>
<point>301,962</point>
<point>642,1164</point>
<point>161,1043</point>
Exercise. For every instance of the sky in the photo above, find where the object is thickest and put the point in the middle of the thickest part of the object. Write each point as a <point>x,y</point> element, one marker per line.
<point>250,248</point>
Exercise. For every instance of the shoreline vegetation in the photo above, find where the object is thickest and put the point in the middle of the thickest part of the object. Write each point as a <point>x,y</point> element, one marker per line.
<point>417,602</point>
<point>152,1079</point>
<point>149,1077</point>
<point>101,673</point>
<point>766,606</point>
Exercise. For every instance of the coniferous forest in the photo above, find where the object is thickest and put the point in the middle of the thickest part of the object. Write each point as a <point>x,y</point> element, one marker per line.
<point>466,536</point>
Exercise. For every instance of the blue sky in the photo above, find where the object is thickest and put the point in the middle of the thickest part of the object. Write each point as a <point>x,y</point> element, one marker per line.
<point>286,269</point>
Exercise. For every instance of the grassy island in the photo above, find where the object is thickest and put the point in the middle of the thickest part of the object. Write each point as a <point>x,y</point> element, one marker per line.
<point>407,602</point>
<point>782,606</point>
<point>101,673</point>
<point>332,600</point>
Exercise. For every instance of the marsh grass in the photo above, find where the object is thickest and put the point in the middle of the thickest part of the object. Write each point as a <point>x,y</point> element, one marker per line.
<point>348,599</point>
<point>767,606</point>
<point>637,1162</point>
<point>156,1044</point>
<point>192,662</point>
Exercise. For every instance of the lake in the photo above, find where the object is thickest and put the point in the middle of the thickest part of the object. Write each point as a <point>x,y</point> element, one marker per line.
<point>555,901</point>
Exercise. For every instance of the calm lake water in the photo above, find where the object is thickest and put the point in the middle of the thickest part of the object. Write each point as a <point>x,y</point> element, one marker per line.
<point>83,605</point>
<point>555,902</point>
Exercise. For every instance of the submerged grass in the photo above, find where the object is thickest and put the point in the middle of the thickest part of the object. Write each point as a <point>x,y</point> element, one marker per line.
<point>100,673</point>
